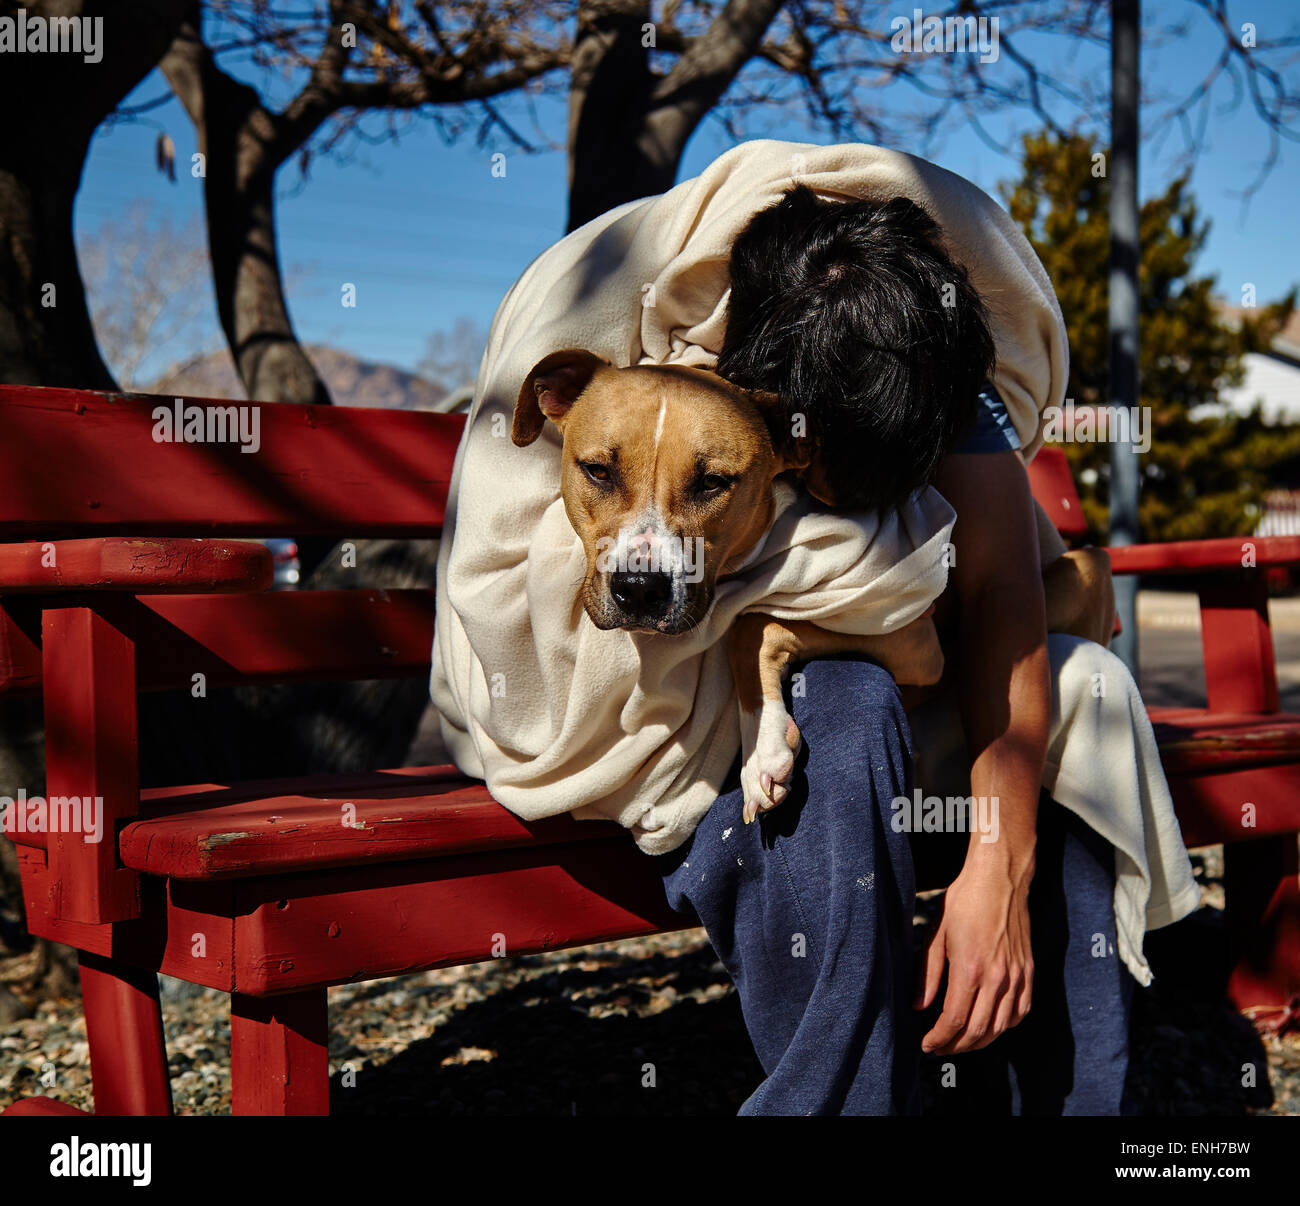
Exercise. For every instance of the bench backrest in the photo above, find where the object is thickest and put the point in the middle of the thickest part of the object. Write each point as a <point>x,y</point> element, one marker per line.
<point>79,464</point>
<point>74,463</point>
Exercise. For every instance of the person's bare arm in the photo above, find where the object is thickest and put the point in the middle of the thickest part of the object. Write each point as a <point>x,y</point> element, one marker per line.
<point>1003,675</point>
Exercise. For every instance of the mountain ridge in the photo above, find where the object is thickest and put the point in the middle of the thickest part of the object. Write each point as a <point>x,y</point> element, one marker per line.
<point>350,380</point>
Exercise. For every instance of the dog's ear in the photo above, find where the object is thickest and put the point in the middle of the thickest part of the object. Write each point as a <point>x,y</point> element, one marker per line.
<point>788,430</point>
<point>550,390</point>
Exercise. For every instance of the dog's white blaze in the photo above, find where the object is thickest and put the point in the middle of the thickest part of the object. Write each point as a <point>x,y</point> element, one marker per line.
<point>649,534</point>
<point>659,422</point>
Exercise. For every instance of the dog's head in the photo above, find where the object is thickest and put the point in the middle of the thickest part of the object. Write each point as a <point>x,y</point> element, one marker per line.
<point>667,479</point>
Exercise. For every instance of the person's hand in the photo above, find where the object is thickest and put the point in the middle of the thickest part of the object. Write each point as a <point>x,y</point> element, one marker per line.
<point>983,937</point>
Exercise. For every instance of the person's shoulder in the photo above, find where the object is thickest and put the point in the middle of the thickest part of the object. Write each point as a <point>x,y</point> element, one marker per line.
<point>992,430</point>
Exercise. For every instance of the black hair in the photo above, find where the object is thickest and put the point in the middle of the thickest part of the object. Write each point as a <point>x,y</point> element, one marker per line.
<point>855,315</point>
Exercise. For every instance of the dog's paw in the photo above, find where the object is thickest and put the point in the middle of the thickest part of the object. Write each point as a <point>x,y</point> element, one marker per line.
<point>769,740</point>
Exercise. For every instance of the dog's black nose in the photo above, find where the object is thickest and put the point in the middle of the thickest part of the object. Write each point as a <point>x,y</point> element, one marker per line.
<point>642,594</point>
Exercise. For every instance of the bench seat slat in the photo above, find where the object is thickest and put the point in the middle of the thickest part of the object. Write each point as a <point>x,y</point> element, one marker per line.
<point>297,825</point>
<point>1053,487</point>
<point>1193,741</point>
<point>418,813</point>
<point>317,470</point>
<point>1210,806</point>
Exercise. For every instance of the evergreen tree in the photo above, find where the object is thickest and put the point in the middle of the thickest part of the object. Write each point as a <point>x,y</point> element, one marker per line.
<point>1202,477</point>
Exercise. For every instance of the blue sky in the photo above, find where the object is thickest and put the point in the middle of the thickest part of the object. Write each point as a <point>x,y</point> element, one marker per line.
<point>428,235</point>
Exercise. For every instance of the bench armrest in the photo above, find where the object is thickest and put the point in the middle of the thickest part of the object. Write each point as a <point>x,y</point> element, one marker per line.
<point>137,565</point>
<point>1236,641</point>
<point>1200,556</point>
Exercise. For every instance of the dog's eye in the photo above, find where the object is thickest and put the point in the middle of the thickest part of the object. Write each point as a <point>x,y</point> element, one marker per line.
<point>596,471</point>
<point>713,483</point>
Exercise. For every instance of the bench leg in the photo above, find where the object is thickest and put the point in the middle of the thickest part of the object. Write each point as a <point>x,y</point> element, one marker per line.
<point>1263,919</point>
<point>279,1059</point>
<point>128,1057</point>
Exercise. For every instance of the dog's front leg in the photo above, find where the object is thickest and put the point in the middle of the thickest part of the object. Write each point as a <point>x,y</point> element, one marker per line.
<point>761,650</point>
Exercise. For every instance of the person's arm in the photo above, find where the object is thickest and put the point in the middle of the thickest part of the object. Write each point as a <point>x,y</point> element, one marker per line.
<point>1006,713</point>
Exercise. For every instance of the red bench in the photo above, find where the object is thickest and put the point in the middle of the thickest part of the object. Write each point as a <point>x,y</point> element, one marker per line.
<point>1233,766</point>
<point>272,891</point>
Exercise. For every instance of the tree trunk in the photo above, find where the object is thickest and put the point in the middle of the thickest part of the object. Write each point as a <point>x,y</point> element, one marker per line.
<point>628,128</point>
<point>53,102</point>
<point>241,154</point>
<point>240,192</point>
<point>609,160</point>
<point>45,332</point>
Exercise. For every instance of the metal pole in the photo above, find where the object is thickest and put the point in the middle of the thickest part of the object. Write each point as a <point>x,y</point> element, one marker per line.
<point>1124,251</point>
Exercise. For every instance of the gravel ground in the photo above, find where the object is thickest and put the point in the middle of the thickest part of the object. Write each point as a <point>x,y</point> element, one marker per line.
<point>640,1027</point>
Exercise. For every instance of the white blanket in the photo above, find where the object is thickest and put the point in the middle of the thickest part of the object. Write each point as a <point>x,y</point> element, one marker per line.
<point>558,716</point>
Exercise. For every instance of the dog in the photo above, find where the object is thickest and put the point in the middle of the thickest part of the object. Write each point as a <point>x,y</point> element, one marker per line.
<point>660,460</point>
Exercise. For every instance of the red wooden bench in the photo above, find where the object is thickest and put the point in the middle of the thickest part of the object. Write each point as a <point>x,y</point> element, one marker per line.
<point>272,891</point>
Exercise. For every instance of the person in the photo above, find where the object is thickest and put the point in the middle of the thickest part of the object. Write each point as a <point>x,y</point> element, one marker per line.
<point>838,308</point>
<point>899,313</point>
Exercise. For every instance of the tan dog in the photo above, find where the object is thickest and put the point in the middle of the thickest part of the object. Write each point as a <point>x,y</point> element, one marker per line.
<point>667,476</point>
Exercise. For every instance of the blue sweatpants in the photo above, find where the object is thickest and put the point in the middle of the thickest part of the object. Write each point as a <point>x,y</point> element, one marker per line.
<point>810,910</point>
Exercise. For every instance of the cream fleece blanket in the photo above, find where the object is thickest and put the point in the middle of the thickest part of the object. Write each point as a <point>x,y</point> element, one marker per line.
<point>558,716</point>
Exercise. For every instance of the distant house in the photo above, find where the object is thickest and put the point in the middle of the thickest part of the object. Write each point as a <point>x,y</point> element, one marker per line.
<point>1272,382</point>
<point>1272,378</point>
<point>1281,514</point>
